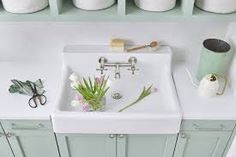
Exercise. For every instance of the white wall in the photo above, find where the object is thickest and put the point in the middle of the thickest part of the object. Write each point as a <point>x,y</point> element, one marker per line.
<point>19,40</point>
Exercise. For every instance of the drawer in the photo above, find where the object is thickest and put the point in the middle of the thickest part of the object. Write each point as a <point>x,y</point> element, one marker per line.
<point>18,125</point>
<point>207,125</point>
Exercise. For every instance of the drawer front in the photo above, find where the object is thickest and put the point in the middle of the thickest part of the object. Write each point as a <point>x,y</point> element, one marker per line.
<point>207,125</point>
<point>28,125</point>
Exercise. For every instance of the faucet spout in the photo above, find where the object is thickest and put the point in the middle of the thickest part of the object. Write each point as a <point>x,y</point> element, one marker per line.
<point>117,71</point>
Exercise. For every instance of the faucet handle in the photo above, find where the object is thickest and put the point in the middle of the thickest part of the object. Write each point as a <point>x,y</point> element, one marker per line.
<point>133,69</point>
<point>102,61</point>
<point>101,70</point>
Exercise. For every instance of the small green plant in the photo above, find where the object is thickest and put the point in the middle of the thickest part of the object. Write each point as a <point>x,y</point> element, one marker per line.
<point>146,92</point>
<point>92,91</point>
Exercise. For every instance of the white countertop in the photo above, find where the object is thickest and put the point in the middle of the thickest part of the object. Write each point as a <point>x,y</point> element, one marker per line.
<point>195,107</point>
<point>15,106</point>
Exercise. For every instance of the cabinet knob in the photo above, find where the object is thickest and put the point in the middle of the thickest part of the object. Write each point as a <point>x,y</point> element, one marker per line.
<point>112,136</point>
<point>9,135</point>
<point>183,135</point>
<point>121,136</point>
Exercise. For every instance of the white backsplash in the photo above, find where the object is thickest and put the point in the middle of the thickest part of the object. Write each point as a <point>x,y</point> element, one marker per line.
<point>19,40</point>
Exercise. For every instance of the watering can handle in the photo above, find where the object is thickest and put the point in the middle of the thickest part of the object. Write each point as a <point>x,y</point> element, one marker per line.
<point>225,84</point>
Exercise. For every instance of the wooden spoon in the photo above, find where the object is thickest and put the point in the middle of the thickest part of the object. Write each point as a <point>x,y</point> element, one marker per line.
<point>152,45</point>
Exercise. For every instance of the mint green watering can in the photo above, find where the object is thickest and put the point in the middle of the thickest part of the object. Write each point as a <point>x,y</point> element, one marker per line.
<point>215,58</point>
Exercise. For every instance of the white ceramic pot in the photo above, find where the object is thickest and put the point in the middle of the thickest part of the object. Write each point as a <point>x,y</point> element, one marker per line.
<point>210,85</point>
<point>155,5</point>
<point>93,4</point>
<point>24,6</point>
<point>217,6</point>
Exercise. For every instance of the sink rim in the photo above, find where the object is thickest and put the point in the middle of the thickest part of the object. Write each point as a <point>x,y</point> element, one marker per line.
<point>172,118</point>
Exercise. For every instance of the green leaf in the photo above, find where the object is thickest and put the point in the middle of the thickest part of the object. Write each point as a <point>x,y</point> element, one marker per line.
<point>145,92</point>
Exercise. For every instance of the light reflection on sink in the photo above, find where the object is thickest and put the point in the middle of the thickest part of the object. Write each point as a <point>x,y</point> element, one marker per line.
<point>158,113</point>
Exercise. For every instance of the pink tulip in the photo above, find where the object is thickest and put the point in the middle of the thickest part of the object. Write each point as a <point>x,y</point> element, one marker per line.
<point>154,90</point>
<point>78,97</point>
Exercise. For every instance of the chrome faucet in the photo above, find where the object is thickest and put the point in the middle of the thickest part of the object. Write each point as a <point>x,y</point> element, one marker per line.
<point>131,64</point>
<point>117,71</point>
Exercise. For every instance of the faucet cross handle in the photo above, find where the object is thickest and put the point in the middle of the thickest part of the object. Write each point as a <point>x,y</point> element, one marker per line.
<point>102,70</point>
<point>132,61</point>
<point>102,61</point>
<point>133,69</point>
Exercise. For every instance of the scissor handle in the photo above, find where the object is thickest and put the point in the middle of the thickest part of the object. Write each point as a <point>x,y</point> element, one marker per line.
<point>42,99</point>
<point>37,99</point>
<point>33,99</point>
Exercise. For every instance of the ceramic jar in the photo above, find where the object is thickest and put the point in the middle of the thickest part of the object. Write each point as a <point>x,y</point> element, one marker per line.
<point>215,58</point>
<point>24,6</point>
<point>155,5</point>
<point>217,6</point>
<point>93,4</point>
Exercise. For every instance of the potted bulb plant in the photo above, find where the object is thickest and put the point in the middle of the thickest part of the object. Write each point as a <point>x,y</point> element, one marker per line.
<point>24,6</point>
<point>90,94</point>
<point>93,4</point>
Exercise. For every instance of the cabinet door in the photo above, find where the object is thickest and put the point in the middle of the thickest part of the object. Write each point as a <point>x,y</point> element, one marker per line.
<point>145,145</point>
<point>201,144</point>
<point>89,145</point>
<point>31,139</point>
<point>5,150</point>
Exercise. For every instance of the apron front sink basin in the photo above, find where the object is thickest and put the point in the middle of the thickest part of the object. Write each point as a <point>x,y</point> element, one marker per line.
<point>159,113</point>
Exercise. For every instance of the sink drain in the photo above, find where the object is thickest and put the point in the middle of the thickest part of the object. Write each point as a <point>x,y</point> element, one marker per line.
<point>116,95</point>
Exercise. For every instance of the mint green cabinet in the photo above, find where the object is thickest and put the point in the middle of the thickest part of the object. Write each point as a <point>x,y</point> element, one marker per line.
<point>31,138</point>
<point>203,138</point>
<point>145,145</point>
<point>5,150</point>
<point>91,145</point>
<point>87,145</point>
<point>202,144</point>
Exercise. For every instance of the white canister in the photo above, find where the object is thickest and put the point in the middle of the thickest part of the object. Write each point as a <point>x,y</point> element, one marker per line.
<point>155,5</point>
<point>217,6</point>
<point>24,6</point>
<point>93,4</point>
<point>210,85</point>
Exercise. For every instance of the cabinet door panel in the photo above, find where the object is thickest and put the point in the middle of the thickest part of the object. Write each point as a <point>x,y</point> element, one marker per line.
<point>33,144</point>
<point>31,138</point>
<point>5,150</point>
<point>204,144</point>
<point>77,145</point>
<point>146,145</point>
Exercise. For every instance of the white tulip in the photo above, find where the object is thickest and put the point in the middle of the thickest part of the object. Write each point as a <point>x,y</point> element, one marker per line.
<point>75,103</point>
<point>74,85</point>
<point>74,77</point>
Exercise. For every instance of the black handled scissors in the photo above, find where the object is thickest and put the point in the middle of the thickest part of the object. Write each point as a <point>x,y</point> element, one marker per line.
<point>36,98</point>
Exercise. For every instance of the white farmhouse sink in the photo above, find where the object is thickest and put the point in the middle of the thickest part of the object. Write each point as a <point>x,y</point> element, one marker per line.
<point>158,113</point>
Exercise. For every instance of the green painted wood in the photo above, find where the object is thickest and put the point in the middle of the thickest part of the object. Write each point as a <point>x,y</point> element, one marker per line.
<point>55,7</point>
<point>207,125</point>
<point>121,7</point>
<point>80,145</point>
<point>232,137</point>
<point>146,145</point>
<point>187,6</point>
<point>29,139</point>
<point>201,144</point>
<point>124,10</point>
<point>122,145</point>
<point>5,150</point>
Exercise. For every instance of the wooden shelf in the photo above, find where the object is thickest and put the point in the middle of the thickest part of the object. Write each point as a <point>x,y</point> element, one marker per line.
<point>123,10</point>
